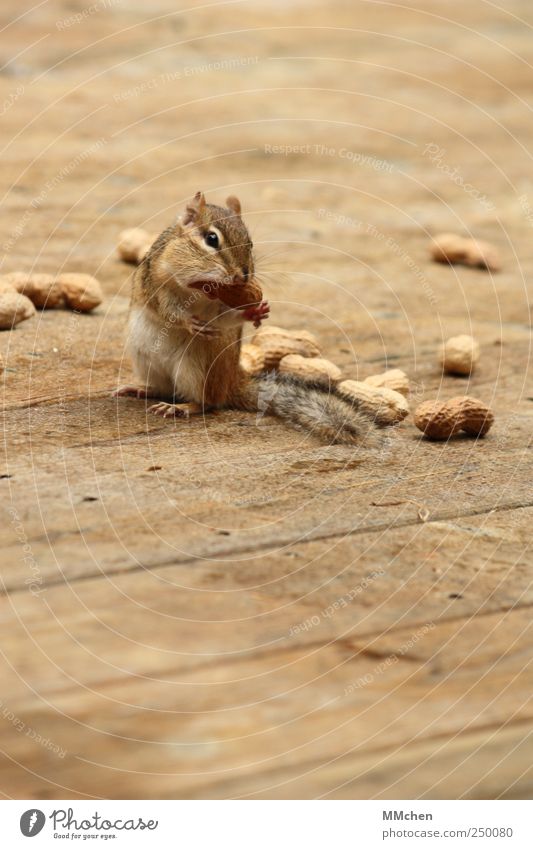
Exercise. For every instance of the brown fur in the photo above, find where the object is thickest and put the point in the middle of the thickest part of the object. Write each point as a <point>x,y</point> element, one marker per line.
<point>208,371</point>
<point>179,248</point>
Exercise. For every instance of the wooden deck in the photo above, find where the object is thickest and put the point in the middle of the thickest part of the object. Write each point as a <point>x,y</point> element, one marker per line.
<point>225,608</point>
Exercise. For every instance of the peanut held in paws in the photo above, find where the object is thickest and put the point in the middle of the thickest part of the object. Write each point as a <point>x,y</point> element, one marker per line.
<point>237,295</point>
<point>241,296</point>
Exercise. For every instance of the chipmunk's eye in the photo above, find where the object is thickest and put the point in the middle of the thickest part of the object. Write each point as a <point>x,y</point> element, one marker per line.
<point>211,239</point>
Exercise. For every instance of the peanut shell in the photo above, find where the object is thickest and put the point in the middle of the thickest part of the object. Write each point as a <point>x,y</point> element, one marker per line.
<point>385,405</point>
<point>6,285</point>
<point>459,355</point>
<point>309,368</point>
<point>299,335</point>
<point>275,349</point>
<point>477,419</point>
<point>14,308</point>
<point>134,244</point>
<point>144,247</point>
<point>483,255</point>
<point>450,248</point>
<point>43,290</point>
<point>234,295</point>
<point>252,360</point>
<point>81,291</point>
<point>277,343</point>
<point>393,378</point>
<point>436,420</point>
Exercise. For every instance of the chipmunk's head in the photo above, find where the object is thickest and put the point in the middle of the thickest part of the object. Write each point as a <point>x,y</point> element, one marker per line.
<point>220,237</point>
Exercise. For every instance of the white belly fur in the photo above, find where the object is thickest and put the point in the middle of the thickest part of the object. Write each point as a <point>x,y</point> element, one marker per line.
<point>165,357</point>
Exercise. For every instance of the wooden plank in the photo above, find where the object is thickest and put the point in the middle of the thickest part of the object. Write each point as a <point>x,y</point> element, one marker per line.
<point>468,766</point>
<point>100,492</point>
<point>233,725</point>
<point>310,652</point>
<point>262,616</point>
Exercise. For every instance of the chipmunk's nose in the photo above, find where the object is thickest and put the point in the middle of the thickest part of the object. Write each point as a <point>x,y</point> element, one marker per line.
<point>242,275</point>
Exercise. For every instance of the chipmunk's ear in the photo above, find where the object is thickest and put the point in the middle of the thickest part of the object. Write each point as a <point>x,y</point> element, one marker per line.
<point>234,204</point>
<point>194,209</point>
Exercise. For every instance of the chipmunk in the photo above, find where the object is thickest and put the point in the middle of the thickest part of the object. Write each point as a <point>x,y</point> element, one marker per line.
<point>185,343</point>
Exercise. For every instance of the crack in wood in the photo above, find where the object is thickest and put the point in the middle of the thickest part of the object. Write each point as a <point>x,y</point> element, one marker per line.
<point>267,546</point>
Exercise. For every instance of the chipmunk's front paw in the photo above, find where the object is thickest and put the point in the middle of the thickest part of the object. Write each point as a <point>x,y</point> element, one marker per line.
<point>175,411</point>
<point>198,327</point>
<point>257,313</point>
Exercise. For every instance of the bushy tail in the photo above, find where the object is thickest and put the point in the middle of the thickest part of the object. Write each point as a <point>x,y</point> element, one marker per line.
<point>314,406</point>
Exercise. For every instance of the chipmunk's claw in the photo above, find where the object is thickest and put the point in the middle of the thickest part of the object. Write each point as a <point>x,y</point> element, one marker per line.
<point>198,327</point>
<point>257,313</point>
<point>130,391</point>
<point>174,411</point>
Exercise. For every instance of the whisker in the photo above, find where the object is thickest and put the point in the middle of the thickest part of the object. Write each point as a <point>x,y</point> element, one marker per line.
<point>274,276</point>
<point>261,258</point>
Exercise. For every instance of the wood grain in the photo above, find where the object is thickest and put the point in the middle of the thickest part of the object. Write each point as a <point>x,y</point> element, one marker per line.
<point>225,608</point>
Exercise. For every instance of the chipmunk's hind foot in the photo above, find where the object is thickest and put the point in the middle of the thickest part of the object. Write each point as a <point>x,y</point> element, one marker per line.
<point>176,411</point>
